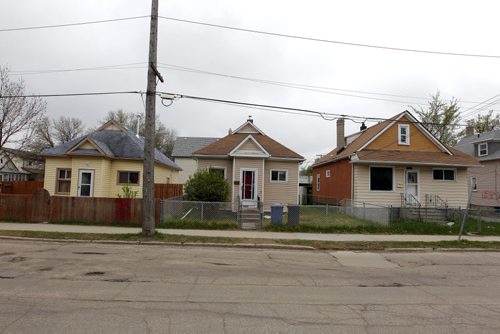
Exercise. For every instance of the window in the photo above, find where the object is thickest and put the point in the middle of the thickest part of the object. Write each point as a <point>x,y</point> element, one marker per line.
<point>279,175</point>
<point>63,181</point>
<point>473,182</point>
<point>404,134</point>
<point>443,174</point>
<point>328,173</point>
<point>218,170</point>
<point>381,178</point>
<point>318,179</point>
<point>128,177</point>
<point>482,149</point>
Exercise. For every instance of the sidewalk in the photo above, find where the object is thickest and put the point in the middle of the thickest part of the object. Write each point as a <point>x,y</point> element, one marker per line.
<point>243,234</point>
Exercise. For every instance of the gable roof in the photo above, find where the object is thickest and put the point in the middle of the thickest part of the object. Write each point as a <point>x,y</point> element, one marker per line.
<point>226,145</point>
<point>111,141</point>
<point>185,146</point>
<point>466,144</point>
<point>359,151</point>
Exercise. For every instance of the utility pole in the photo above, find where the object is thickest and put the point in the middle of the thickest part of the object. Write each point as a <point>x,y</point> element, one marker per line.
<point>148,223</point>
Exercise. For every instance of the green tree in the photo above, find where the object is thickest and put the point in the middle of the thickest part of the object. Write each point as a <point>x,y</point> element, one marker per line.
<point>483,123</point>
<point>441,118</point>
<point>207,186</point>
<point>164,137</point>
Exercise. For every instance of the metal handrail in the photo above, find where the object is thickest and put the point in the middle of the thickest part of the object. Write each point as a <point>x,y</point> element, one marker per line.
<point>409,200</point>
<point>436,201</point>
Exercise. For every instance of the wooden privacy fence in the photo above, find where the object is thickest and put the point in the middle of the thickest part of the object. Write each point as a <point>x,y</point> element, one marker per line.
<point>40,207</point>
<point>20,187</point>
<point>168,190</point>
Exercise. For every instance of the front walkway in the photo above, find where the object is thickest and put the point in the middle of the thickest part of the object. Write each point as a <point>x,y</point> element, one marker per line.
<point>243,234</point>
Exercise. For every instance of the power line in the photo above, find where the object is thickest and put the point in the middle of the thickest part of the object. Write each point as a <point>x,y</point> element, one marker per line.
<point>74,24</point>
<point>69,94</point>
<point>477,108</point>
<point>324,115</point>
<point>388,48</point>
<point>107,67</point>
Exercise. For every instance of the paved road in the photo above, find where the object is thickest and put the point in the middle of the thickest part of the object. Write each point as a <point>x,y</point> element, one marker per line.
<point>52,287</point>
<point>242,234</point>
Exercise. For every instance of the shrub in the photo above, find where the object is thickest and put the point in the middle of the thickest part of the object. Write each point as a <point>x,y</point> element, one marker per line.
<point>207,186</point>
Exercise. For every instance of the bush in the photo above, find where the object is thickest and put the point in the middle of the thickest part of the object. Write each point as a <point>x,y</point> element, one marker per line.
<point>207,186</point>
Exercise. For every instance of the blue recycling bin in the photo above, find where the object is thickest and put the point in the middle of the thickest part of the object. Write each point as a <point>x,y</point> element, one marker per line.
<point>276,214</point>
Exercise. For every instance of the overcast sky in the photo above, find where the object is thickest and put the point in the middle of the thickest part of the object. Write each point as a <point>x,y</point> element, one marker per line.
<point>449,26</point>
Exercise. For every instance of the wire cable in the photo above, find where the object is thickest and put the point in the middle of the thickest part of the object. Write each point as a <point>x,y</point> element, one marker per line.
<point>381,47</point>
<point>74,24</point>
<point>69,94</point>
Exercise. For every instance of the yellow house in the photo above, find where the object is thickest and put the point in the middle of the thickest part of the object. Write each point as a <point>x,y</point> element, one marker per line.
<point>101,163</point>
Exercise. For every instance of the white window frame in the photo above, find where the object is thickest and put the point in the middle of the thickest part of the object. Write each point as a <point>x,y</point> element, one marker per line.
<point>219,167</point>
<point>370,178</point>
<point>479,149</point>
<point>473,182</point>
<point>318,182</point>
<point>407,127</point>
<point>328,173</point>
<point>443,180</point>
<point>278,180</point>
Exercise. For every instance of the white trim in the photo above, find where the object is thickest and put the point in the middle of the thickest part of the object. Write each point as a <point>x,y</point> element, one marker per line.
<point>278,170</point>
<point>251,124</point>
<point>365,162</point>
<point>370,179</point>
<point>298,183</point>
<point>79,184</point>
<point>264,153</point>
<point>232,183</point>
<point>328,173</point>
<point>263,182</point>
<point>479,150</point>
<point>455,174</point>
<point>407,127</point>
<point>290,159</point>
<point>417,124</point>
<point>318,182</point>
<point>418,181</point>
<point>255,183</point>
<point>219,167</point>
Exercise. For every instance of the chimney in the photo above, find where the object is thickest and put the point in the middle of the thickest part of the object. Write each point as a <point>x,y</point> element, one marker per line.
<point>229,132</point>
<point>340,134</point>
<point>250,119</point>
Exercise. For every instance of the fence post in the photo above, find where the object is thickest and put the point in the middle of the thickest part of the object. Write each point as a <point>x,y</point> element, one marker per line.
<point>327,209</point>
<point>364,210</point>
<point>201,210</point>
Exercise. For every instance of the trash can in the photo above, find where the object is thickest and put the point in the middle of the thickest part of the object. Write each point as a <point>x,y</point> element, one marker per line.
<point>276,214</point>
<point>293,214</point>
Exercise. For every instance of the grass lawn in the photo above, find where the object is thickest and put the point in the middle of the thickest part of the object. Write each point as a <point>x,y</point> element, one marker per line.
<point>324,245</point>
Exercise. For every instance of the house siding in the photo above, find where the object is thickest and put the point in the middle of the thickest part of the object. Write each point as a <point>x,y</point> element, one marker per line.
<point>488,184</point>
<point>249,145</point>
<point>281,192</point>
<point>389,140</point>
<point>189,167</point>
<point>452,192</point>
<point>207,163</point>
<point>335,188</point>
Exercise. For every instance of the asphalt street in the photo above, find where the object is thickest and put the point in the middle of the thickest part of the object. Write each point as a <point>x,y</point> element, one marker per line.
<point>57,287</point>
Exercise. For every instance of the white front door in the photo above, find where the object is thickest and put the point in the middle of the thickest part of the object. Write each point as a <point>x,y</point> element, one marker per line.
<point>411,186</point>
<point>86,183</point>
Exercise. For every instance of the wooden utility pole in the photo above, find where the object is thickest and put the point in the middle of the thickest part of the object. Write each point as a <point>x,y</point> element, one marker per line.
<point>148,223</point>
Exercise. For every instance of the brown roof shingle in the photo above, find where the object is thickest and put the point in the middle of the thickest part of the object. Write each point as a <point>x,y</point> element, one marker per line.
<point>225,145</point>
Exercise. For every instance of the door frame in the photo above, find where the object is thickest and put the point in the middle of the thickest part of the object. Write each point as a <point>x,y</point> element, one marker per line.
<point>418,182</point>
<point>255,184</point>
<point>78,189</point>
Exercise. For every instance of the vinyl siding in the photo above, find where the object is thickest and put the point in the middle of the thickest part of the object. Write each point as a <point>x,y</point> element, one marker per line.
<point>453,192</point>
<point>488,184</point>
<point>249,145</point>
<point>207,163</point>
<point>281,192</point>
<point>105,183</point>
<point>188,166</point>
<point>248,129</point>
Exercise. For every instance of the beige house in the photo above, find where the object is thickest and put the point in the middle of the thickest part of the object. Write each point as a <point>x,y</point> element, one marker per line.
<point>256,166</point>
<point>101,163</point>
<point>183,154</point>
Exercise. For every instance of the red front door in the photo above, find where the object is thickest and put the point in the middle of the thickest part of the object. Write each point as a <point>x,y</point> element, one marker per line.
<point>248,188</point>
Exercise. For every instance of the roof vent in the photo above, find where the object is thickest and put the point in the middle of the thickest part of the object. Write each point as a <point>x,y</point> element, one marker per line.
<point>362,127</point>
<point>250,119</point>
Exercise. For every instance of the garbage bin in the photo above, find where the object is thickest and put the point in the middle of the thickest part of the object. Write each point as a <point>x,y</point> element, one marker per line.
<point>276,214</point>
<point>293,214</point>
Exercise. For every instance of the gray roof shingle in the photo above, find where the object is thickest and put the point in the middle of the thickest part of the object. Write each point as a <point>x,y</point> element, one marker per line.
<point>185,146</point>
<point>114,144</point>
<point>466,144</point>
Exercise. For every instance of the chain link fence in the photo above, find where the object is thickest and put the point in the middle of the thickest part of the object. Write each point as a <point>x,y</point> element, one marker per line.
<point>179,210</point>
